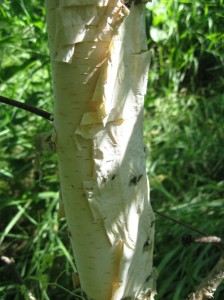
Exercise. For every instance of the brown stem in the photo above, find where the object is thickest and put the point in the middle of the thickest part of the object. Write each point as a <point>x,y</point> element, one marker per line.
<point>42,113</point>
<point>180,223</point>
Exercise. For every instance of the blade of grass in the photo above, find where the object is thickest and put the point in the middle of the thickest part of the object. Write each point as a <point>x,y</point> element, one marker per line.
<point>14,220</point>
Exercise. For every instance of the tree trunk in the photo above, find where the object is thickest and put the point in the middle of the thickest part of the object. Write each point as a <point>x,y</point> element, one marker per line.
<point>100,67</point>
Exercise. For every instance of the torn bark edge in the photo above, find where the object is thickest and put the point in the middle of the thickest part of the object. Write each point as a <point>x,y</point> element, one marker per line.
<point>210,284</point>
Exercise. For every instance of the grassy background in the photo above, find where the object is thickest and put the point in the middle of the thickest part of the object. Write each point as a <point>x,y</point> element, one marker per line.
<point>184,132</point>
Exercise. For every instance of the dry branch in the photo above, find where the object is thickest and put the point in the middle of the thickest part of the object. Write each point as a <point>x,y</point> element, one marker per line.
<point>210,284</point>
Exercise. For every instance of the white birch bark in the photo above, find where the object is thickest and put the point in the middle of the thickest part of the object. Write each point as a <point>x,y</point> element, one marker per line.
<point>100,67</point>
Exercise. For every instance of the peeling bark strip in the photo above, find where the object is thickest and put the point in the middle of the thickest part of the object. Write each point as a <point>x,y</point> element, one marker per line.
<point>100,67</point>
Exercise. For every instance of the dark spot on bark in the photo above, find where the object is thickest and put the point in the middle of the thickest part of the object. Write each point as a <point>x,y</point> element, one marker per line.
<point>148,278</point>
<point>146,245</point>
<point>69,233</point>
<point>104,179</point>
<point>113,177</point>
<point>135,180</point>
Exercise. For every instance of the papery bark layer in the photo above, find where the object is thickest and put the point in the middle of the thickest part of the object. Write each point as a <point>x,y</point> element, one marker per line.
<point>100,64</point>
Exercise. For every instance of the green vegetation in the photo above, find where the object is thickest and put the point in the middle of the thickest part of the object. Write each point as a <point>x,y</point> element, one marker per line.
<point>184,131</point>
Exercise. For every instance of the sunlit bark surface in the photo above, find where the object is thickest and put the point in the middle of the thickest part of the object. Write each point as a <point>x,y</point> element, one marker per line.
<point>100,64</point>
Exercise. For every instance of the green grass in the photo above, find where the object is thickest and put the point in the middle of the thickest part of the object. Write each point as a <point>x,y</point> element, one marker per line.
<point>184,132</point>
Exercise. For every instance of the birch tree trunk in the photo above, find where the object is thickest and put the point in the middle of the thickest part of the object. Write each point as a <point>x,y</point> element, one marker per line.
<point>100,67</point>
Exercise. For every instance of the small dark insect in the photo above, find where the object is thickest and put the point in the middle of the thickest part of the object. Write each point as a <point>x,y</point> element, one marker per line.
<point>135,180</point>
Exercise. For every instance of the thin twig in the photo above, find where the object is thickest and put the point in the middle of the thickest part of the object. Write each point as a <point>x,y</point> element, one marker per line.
<point>181,223</point>
<point>37,111</point>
